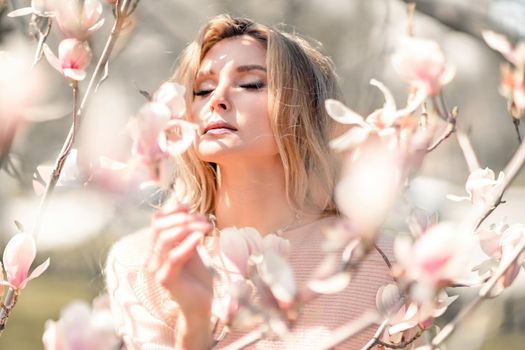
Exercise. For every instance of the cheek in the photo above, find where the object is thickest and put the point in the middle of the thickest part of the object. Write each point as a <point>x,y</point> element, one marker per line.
<point>196,111</point>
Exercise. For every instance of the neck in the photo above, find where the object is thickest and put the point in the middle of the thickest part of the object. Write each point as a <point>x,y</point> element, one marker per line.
<point>253,194</point>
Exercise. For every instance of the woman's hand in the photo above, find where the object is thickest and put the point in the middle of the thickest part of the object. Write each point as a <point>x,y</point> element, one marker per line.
<point>178,267</point>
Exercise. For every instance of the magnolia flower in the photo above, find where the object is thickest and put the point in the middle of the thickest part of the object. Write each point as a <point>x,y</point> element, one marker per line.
<point>499,243</point>
<point>172,95</point>
<point>79,18</point>
<point>409,318</point>
<point>379,121</point>
<point>513,88</point>
<point>240,249</point>
<point>74,57</point>
<point>42,8</point>
<point>435,259</point>
<point>81,327</point>
<point>238,245</point>
<point>512,80</point>
<point>481,186</point>
<point>422,63</point>
<point>19,254</point>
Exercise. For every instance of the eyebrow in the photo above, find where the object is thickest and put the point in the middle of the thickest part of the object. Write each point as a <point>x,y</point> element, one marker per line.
<point>240,69</point>
<point>249,67</point>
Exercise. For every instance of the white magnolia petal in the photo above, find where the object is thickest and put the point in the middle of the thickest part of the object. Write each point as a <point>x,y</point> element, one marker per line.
<point>96,26</point>
<point>330,285</point>
<point>342,114</point>
<point>21,12</point>
<point>278,275</point>
<point>389,108</point>
<point>349,140</point>
<point>186,132</point>
<point>456,198</point>
<point>52,58</point>
<point>75,74</point>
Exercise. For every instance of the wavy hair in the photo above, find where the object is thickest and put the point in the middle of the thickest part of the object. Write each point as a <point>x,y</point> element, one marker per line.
<point>300,79</point>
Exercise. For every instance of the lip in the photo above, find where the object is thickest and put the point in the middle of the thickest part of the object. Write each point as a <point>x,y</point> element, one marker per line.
<point>218,127</point>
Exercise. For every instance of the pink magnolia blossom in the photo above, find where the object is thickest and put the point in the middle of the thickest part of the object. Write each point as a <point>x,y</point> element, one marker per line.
<point>79,19</point>
<point>481,186</point>
<point>512,80</point>
<point>499,243</point>
<point>379,122</point>
<point>242,249</point>
<point>82,328</point>
<point>73,58</point>
<point>156,137</point>
<point>513,87</point>
<point>42,8</point>
<point>159,132</point>
<point>410,317</point>
<point>238,245</point>
<point>434,259</point>
<point>19,254</point>
<point>422,63</point>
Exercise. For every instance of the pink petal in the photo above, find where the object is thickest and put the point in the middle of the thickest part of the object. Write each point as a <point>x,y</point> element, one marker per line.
<point>52,59</point>
<point>235,250</point>
<point>342,114</point>
<point>19,254</point>
<point>388,114</point>
<point>173,96</point>
<point>75,74</point>
<point>499,43</point>
<point>96,26</point>
<point>278,275</point>
<point>349,140</point>
<point>186,133</point>
<point>40,269</point>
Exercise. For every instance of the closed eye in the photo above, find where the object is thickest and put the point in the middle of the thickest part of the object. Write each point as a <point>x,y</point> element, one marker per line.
<point>202,92</point>
<point>257,85</point>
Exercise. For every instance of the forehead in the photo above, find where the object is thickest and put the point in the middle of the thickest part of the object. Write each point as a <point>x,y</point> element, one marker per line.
<point>236,51</point>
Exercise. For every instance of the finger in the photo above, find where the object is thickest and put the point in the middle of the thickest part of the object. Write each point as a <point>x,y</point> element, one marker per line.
<point>178,219</point>
<point>171,267</point>
<point>168,239</point>
<point>169,209</point>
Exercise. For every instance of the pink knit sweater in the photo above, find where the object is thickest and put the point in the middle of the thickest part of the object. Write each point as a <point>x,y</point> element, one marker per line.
<point>146,317</point>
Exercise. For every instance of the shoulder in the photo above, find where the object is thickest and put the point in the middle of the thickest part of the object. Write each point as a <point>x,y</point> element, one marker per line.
<point>132,249</point>
<point>128,255</point>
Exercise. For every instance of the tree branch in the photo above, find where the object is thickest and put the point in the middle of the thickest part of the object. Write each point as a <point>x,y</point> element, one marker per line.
<point>482,295</point>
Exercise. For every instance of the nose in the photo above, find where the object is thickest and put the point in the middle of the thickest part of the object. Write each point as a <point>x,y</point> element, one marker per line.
<point>219,100</point>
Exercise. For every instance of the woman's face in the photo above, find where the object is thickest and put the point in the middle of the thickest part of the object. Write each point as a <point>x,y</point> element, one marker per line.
<point>230,102</point>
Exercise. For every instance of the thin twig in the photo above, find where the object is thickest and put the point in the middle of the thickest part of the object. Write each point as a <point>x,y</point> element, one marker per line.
<point>516,123</point>
<point>451,126</point>
<point>248,339</point>
<point>379,332</point>
<point>383,255</point>
<point>350,329</point>
<point>482,295</point>
<point>59,164</point>
<point>468,150</point>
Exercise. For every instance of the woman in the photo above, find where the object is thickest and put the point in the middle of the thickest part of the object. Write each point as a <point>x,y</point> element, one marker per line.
<point>260,160</point>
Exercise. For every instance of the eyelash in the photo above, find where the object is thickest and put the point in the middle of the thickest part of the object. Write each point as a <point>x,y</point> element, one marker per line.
<point>249,86</point>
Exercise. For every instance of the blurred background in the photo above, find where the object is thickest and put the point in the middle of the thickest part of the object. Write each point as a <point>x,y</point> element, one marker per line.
<point>360,36</point>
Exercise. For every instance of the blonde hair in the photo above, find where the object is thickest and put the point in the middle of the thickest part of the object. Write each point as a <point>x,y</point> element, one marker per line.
<point>300,79</point>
